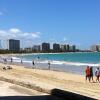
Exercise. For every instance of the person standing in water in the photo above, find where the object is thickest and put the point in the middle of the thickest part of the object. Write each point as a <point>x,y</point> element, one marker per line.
<point>5,61</point>
<point>33,63</point>
<point>21,61</point>
<point>49,65</point>
<point>11,59</point>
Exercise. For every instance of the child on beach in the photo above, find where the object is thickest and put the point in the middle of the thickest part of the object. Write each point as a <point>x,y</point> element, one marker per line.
<point>87,72</point>
<point>97,74</point>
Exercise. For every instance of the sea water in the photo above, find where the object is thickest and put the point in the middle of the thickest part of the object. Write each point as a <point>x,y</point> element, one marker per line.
<point>70,62</point>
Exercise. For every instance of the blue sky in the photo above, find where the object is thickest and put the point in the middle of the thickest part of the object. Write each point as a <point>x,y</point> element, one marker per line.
<point>62,21</point>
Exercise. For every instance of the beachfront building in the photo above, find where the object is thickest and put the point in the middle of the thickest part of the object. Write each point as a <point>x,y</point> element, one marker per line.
<point>36,48</point>
<point>63,48</point>
<point>0,45</point>
<point>95,48</point>
<point>28,49</point>
<point>72,48</point>
<point>67,47</point>
<point>45,47</point>
<point>14,45</point>
<point>56,47</point>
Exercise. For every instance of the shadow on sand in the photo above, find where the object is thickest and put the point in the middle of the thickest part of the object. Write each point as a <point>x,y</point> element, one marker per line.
<point>56,94</point>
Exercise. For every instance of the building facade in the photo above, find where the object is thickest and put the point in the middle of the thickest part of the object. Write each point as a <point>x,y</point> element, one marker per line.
<point>56,47</point>
<point>67,47</point>
<point>95,48</point>
<point>72,48</point>
<point>45,47</point>
<point>28,49</point>
<point>63,48</point>
<point>0,45</point>
<point>36,48</point>
<point>14,45</point>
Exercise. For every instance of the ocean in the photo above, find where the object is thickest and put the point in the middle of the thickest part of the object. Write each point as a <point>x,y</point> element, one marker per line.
<point>69,62</point>
<point>90,58</point>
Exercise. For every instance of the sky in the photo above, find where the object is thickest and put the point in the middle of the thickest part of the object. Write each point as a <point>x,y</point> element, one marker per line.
<point>61,21</point>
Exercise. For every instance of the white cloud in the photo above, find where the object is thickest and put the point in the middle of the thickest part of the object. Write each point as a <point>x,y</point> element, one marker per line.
<point>35,35</point>
<point>15,33</point>
<point>14,30</point>
<point>1,13</point>
<point>2,32</point>
<point>18,34</point>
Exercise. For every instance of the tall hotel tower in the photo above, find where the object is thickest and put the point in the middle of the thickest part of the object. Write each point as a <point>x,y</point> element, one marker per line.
<point>14,45</point>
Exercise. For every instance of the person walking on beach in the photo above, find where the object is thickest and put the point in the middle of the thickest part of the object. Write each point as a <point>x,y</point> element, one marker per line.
<point>87,71</point>
<point>49,65</point>
<point>33,63</point>
<point>21,61</point>
<point>91,74</point>
<point>97,74</point>
<point>11,59</point>
<point>5,61</point>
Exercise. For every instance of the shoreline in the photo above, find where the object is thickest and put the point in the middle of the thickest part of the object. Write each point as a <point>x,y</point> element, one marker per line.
<point>71,67</point>
<point>46,80</point>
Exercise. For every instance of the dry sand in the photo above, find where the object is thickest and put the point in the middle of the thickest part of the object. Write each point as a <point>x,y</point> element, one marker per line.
<point>9,89</point>
<point>46,80</point>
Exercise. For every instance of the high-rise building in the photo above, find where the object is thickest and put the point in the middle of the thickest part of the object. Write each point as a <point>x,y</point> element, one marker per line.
<point>95,47</point>
<point>63,48</point>
<point>36,48</point>
<point>0,45</point>
<point>14,45</point>
<point>45,47</point>
<point>56,47</point>
<point>72,48</point>
<point>67,47</point>
<point>28,49</point>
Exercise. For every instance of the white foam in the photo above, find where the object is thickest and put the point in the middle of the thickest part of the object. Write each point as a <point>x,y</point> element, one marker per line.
<point>70,63</point>
<point>16,59</point>
<point>81,64</point>
<point>27,61</point>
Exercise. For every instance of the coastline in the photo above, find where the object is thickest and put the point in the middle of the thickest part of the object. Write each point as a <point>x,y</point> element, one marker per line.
<point>46,53</point>
<point>46,80</point>
<point>65,66</point>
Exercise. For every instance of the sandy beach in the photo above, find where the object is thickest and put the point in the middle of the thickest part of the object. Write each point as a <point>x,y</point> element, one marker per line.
<point>9,89</point>
<point>46,80</point>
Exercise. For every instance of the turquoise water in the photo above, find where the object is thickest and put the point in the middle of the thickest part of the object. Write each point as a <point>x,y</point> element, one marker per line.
<point>68,62</point>
<point>67,57</point>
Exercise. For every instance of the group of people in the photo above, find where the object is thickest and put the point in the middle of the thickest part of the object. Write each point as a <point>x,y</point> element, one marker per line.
<point>90,74</point>
<point>11,60</point>
<point>5,60</point>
